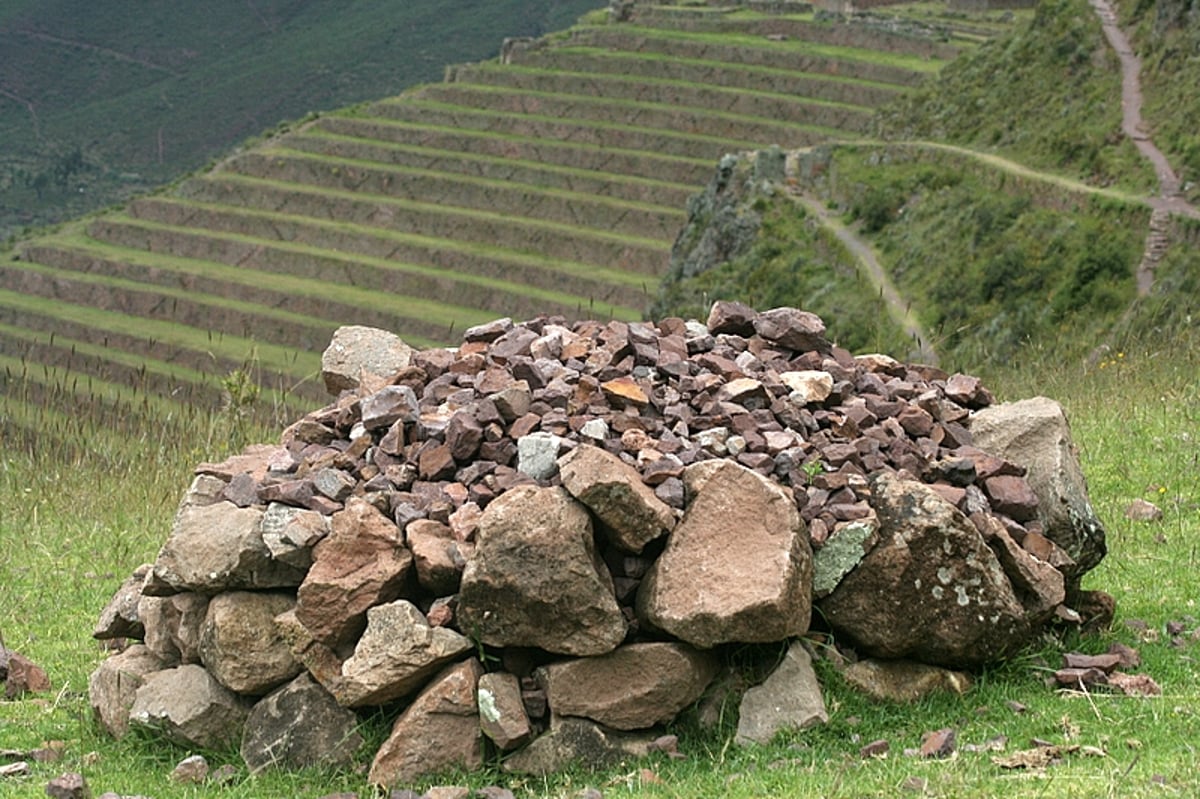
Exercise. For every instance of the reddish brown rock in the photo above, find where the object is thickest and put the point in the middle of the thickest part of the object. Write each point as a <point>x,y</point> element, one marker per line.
<point>120,619</point>
<point>360,564</point>
<point>792,328</point>
<point>738,567</point>
<point>614,491</point>
<point>634,687</point>
<point>436,556</point>
<point>502,714</point>
<point>438,731</point>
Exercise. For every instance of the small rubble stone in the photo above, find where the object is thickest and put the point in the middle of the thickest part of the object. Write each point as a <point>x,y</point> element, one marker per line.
<point>68,786</point>
<point>120,619</point>
<point>1143,510</point>
<point>502,714</point>
<point>790,698</point>
<point>575,742</point>
<point>191,770</point>
<point>615,493</point>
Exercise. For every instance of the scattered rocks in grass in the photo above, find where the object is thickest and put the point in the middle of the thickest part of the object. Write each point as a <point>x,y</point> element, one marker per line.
<point>1045,755</point>
<point>18,768</point>
<point>938,743</point>
<point>21,675</point>
<point>552,496</point>
<point>877,748</point>
<point>69,786</point>
<point>1084,672</point>
<point>1143,510</point>
<point>191,770</point>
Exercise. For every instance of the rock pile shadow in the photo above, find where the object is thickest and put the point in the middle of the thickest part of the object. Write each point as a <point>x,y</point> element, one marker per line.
<point>545,542</point>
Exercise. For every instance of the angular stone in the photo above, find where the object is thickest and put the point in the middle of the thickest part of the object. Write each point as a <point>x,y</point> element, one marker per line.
<point>789,699</point>
<point>388,406</point>
<point>215,548</point>
<point>1142,510</point>
<point>173,626</point>
<point>792,328</point>
<point>502,714</point>
<point>536,579</point>
<point>438,731</point>
<point>808,386</point>
<point>578,743</point>
<point>614,491</point>
<point>633,687</point>
<point>930,590</point>
<point>738,567</point>
<point>625,390</point>
<point>21,675</point>
<point>1039,587</point>
<point>397,653</point>
<point>191,770</point>
<point>1012,496</point>
<point>360,564</point>
<point>300,725</point>
<point>290,533</point>
<point>68,786</point>
<point>1035,434</point>
<point>843,550</point>
<point>436,556</point>
<point>356,351</point>
<point>240,644</point>
<point>537,455</point>
<point>114,684</point>
<point>334,484</point>
<point>903,680</point>
<point>190,707</point>
<point>120,619</point>
<point>731,317</point>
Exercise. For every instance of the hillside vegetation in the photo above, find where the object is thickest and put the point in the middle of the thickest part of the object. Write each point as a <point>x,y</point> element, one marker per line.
<point>100,101</point>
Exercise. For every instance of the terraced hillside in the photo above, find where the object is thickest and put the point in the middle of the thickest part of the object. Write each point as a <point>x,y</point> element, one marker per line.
<point>550,181</point>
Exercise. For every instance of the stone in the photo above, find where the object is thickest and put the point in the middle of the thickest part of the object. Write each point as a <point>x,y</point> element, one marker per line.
<point>842,551</point>
<point>561,601</point>
<point>537,455</point>
<point>300,725</point>
<point>903,680</point>
<point>396,654</point>
<point>120,619</point>
<point>939,743</point>
<point>1012,496</point>
<point>808,387</point>
<point>625,391</point>
<point>1142,510</point>
<point>69,786</point>
<point>502,714</point>
<point>1039,587</point>
<point>290,533</point>
<point>931,590</point>
<point>792,328</point>
<point>362,563</point>
<point>737,567</point>
<point>189,707</point>
<point>436,556</point>
<point>790,698</point>
<point>390,405</point>
<point>356,351</point>
<point>22,676</point>
<point>241,645</point>
<point>173,625</point>
<point>218,547</point>
<point>1035,433</point>
<point>578,743</point>
<point>439,730</point>
<point>634,687</point>
<point>614,492</point>
<point>113,685</point>
<point>191,770</point>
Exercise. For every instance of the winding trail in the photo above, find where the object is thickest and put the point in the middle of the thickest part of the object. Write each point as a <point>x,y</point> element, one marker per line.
<point>1169,200</point>
<point>898,309</point>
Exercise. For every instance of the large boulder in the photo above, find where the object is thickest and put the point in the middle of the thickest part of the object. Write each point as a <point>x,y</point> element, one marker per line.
<point>113,686</point>
<point>241,645</point>
<point>931,590</point>
<point>358,353</point>
<point>362,563</point>
<point>190,707</point>
<point>631,688</point>
<point>737,567</point>
<point>298,726</point>
<point>1035,434</point>
<point>536,579</point>
<point>438,731</point>
<point>396,655</point>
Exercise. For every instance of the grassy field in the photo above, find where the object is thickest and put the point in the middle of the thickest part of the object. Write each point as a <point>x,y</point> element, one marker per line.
<point>77,516</point>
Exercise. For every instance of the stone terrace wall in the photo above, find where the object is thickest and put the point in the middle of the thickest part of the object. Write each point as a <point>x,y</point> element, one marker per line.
<point>601,511</point>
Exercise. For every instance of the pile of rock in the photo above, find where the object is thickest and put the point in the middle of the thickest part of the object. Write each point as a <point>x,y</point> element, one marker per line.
<point>543,541</point>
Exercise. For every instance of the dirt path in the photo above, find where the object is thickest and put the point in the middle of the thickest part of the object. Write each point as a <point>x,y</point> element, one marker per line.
<point>898,309</point>
<point>1169,200</point>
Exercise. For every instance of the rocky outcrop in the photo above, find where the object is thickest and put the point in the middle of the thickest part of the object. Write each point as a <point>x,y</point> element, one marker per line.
<point>600,512</point>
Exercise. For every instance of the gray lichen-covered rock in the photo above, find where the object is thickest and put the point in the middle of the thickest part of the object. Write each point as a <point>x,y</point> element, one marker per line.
<point>502,714</point>
<point>737,567</point>
<point>843,550</point>
<point>298,726</point>
<point>634,687</point>
<point>560,599</point>
<point>1035,434</point>
<point>241,645</point>
<point>190,707</point>
<point>790,698</point>
<point>930,590</point>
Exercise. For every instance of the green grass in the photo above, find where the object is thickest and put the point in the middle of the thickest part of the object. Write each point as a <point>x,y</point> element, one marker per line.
<point>75,521</point>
